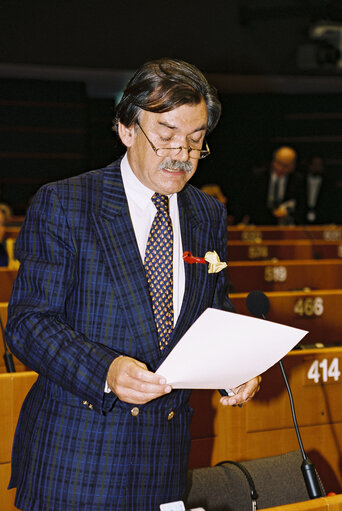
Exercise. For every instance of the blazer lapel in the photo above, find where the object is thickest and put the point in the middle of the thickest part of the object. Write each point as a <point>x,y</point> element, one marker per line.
<point>116,236</point>
<point>195,238</point>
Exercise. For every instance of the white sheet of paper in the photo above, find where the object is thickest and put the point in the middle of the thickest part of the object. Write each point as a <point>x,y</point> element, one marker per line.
<point>223,350</point>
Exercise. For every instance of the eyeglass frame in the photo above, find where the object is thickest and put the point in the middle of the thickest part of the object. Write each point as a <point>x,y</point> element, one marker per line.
<point>206,151</point>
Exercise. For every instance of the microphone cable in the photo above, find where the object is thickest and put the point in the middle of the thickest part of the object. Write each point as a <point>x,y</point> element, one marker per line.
<point>293,411</point>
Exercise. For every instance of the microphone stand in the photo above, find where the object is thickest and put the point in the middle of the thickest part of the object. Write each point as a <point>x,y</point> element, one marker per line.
<point>7,355</point>
<point>307,467</point>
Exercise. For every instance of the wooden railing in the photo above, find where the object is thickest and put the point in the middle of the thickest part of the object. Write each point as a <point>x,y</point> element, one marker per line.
<point>305,293</point>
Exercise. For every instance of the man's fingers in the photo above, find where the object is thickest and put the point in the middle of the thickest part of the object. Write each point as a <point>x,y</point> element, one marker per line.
<point>145,385</point>
<point>251,388</point>
<point>134,383</point>
<point>243,393</point>
<point>147,375</point>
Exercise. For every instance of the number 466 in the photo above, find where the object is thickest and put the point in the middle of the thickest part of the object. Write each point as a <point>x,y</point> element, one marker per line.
<point>320,369</point>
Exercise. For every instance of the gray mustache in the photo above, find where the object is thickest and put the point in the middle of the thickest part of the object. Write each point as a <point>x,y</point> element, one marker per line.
<point>175,165</point>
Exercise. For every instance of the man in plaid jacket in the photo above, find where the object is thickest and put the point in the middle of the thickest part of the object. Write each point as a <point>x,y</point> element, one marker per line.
<point>100,430</point>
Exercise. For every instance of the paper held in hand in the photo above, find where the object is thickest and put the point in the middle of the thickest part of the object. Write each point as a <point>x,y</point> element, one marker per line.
<point>223,350</point>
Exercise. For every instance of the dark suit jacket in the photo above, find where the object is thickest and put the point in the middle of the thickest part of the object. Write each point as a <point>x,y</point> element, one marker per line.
<point>326,209</point>
<point>256,200</point>
<point>81,299</point>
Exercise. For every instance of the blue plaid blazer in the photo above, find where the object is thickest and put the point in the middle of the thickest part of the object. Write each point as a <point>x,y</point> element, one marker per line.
<point>81,299</point>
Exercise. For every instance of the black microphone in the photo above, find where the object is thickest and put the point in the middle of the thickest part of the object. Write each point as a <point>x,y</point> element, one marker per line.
<point>7,355</point>
<point>258,305</point>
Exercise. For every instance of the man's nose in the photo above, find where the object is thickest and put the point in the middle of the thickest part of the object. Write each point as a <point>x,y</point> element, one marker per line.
<point>184,154</point>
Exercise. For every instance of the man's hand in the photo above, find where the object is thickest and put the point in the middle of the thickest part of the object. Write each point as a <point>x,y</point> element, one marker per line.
<point>131,381</point>
<point>281,212</point>
<point>243,393</point>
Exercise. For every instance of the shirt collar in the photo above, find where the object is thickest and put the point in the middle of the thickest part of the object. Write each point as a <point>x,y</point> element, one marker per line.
<point>275,176</point>
<point>134,188</point>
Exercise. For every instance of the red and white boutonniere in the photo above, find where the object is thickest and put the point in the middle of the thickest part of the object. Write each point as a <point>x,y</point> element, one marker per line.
<point>212,258</point>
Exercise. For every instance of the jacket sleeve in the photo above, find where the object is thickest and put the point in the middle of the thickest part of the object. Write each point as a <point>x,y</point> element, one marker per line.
<point>36,330</point>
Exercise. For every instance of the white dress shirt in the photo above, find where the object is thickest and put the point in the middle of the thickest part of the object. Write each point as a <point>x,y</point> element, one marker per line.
<point>281,188</point>
<point>142,212</point>
<point>313,187</point>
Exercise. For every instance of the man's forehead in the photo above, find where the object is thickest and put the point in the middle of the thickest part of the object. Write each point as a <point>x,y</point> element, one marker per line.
<point>285,155</point>
<point>193,116</point>
<point>284,161</point>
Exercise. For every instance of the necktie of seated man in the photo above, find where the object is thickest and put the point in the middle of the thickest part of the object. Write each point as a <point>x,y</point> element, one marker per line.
<point>276,201</point>
<point>159,268</point>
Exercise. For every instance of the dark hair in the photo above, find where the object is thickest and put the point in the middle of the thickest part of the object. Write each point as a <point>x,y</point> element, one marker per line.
<point>162,85</point>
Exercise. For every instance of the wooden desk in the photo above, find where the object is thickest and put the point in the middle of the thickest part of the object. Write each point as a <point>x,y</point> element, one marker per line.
<point>283,249</point>
<point>16,220</point>
<point>13,389</point>
<point>285,275</point>
<point>281,232</point>
<point>7,278</point>
<point>319,312</point>
<point>333,503</point>
<point>18,365</point>
<point>12,231</point>
<point>263,427</point>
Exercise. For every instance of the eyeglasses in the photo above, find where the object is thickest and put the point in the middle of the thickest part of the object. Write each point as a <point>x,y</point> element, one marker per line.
<point>197,154</point>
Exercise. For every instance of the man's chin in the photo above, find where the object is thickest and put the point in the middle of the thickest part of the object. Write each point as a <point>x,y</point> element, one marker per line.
<point>172,186</point>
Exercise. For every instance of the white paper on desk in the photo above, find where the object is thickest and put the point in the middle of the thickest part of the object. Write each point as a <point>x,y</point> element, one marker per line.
<point>222,350</point>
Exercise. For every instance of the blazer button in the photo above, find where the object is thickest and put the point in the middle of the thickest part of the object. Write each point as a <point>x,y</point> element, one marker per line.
<point>171,415</point>
<point>89,405</point>
<point>135,411</point>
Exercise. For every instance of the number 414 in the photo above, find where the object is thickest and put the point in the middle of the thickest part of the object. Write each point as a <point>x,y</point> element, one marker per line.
<point>320,369</point>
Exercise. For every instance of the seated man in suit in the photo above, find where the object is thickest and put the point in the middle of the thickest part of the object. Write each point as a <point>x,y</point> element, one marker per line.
<point>272,195</point>
<point>103,295</point>
<point>319,194</point>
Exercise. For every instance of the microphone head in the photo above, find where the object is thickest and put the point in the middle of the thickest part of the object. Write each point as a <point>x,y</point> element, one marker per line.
<point>258,304</point>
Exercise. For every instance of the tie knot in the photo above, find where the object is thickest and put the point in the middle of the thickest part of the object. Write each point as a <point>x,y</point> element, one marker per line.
<point>161,202</point>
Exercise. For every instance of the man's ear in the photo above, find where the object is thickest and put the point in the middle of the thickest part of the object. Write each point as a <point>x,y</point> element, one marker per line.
<point>126,134</point>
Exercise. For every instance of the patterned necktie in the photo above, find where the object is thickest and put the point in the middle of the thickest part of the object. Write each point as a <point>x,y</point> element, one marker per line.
<point>276,185</point>
<point>159,268</point>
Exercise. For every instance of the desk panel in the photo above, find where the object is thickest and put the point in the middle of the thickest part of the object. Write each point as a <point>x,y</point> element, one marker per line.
<point>284,249</point>
<point>319,312</point>
<point>332,503</point>
<point>263,427</point>
<point>12,231</point>
<point>6,496</point>
<point>19,366</point>
<point>285,232</point>
<point>13,389</point>
<point>286,275</point>
<point>7,278</point>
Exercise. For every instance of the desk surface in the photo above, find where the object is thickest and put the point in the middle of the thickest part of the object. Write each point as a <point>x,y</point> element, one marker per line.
<point>264,427</point>
<point>317,311</point>
<point>285,275</point>
<point>284,249</point>
<point>333,503</point>
<point>267,232</point>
